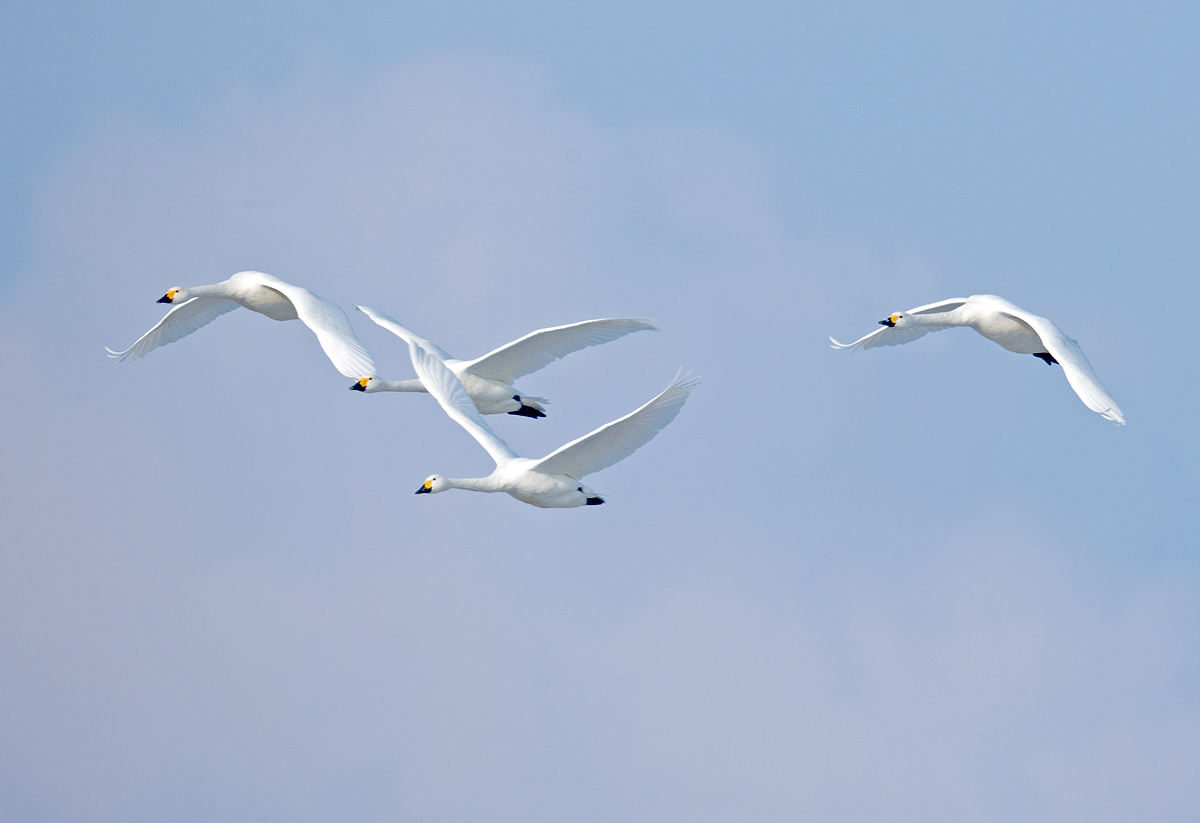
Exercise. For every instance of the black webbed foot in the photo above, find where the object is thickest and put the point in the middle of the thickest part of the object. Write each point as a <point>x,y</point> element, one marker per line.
<point>1045,356</point>
<point>528,411</point>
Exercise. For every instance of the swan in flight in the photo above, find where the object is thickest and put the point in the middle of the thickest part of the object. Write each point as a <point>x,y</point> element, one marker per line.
<point>199,306</point>
<point>489,379</point>
<point>553,481</point>
<point>1001,322</point>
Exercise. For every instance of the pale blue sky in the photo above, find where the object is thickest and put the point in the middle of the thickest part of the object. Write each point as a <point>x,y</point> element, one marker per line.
<point>922,583</point>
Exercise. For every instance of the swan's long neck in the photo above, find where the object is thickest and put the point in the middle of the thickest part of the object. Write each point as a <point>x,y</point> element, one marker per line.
<point>474,484</point>
<point>400,385</point>
<point>215,290</point>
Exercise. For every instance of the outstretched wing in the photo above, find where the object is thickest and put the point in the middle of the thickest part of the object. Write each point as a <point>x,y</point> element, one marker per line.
<point>889,336</point>
<point>939,307</point>
<point>617,440</point>
<point>453,398</point>
<point>179,322</point>
<point>404,334</point>
<point>331,326</point>
<point>1074,363</point>
<point>539,349</point>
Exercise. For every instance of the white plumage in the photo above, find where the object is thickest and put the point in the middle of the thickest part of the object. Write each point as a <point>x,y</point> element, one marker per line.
<point>488,379</point>
<point>552,481</point>
<point>1006,324</point>
<point>200,305</point>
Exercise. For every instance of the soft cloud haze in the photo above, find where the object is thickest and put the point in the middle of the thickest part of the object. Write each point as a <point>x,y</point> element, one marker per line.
<point>923,583</point>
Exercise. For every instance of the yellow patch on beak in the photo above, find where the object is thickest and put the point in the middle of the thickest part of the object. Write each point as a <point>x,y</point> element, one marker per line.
<point>894,318</point>
<point>429,484</point>
<point>171,293</point>
<point>364,382</point>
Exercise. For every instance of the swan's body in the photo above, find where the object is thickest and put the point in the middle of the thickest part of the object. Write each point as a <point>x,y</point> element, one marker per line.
<point>1011,327</point>
<point>553,481</point>
<point>199,306</point>
<point>488,379</point>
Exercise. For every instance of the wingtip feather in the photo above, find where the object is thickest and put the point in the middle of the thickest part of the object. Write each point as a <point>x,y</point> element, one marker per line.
<point>684,381</point>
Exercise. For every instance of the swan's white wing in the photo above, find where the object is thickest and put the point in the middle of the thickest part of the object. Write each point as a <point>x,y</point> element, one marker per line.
<point>887,336</point>
<point>331,326</point>
<point>450,394</point>
<point>179,322</point>
<point>1075,365</point>
<point>404,334</point>
<point>890,336</point>
<point>539,349</point>
<point>615,441</point>
<point>938,307</point>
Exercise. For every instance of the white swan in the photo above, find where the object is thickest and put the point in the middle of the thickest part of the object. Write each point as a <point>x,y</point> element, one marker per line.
<point>199,306</point>
<point>553,481</point>
<point>489,379</point>
<point>1001,322</point>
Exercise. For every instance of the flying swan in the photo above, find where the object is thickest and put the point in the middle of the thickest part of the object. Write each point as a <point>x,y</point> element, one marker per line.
<point>553,481</point>
<point>1001,322</point>
<point>199,306</point>
<point>489,379</point>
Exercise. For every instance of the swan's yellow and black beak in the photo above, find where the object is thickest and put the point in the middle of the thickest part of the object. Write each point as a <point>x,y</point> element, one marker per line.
<point>426,487</point>
<point>168,297</point>
<point>891,321</point>
<point>361,385</point>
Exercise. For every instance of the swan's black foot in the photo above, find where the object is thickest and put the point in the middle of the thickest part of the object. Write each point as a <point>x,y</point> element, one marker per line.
<point>528,411</point>
<point>1045,356</point>
<point>595,501</point>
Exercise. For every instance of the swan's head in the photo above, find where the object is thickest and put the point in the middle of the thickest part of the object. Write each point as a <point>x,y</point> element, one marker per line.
<point>433,484</point>
<point>367,384</point>
<point>174,295</point>
<point>897,320</point>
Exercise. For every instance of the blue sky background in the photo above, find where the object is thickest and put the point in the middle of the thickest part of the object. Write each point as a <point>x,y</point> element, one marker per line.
<point>923,583</point>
